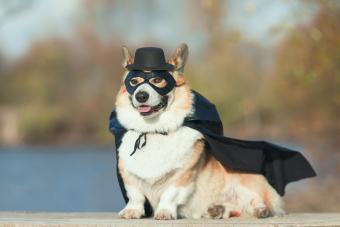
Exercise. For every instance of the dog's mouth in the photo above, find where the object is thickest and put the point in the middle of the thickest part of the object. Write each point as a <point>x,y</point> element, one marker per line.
<point>146,110</point>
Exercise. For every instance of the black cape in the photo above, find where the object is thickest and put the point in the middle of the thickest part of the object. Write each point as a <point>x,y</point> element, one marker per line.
<point>278,164</point>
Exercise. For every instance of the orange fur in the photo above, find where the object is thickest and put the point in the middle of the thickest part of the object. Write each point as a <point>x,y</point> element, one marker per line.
<point>190,168</point>
<point>185,96</point>
<point>213,165</point>
<point>123,173</point>
<point>122,89</point>
<point>180,80</point>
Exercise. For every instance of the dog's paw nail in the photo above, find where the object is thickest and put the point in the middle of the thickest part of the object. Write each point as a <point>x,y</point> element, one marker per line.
<point>164,214</point>
<point>216,211</point>
<point>262,212</point>
<point>130,214</point>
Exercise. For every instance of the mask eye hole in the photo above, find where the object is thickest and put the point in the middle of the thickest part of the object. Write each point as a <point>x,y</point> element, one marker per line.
<point>158,82</point>
<point>135,81</point>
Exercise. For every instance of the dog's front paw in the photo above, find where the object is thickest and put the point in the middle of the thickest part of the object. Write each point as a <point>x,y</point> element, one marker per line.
<point>164,214</point>
<point>130,213</point>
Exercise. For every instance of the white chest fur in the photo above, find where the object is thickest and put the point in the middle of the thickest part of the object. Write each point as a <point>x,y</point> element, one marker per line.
<point>160,155</point>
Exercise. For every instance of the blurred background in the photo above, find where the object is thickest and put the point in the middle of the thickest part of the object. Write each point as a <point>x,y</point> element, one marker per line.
<point>271,67</point>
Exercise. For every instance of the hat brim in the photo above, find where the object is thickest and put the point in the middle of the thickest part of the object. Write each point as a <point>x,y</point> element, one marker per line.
<point>167,67</point>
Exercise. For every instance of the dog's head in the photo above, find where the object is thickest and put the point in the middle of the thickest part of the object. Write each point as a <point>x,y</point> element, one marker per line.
<point>149,97</point>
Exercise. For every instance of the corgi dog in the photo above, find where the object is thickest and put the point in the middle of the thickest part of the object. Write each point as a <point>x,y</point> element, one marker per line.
<point>174,170</point>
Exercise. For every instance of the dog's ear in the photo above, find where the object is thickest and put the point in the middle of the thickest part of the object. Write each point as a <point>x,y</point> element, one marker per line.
<point>180,57</point>
<point>127,56</point>
<point>178,60</point>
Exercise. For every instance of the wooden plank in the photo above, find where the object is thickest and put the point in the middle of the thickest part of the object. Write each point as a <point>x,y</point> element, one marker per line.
<point>22,219</point>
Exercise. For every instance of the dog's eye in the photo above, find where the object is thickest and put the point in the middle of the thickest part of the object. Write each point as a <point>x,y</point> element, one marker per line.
<point>135,81</point>
<point>156,80</point>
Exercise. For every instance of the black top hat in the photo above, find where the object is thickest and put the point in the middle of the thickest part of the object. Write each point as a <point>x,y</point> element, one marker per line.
<point>150,58</point>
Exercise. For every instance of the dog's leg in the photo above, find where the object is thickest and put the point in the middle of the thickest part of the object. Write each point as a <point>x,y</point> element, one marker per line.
<point>260,210</point>
<point>170,199</point>
<point>167,207</point>
<point>259,199</point>
<point>135,207</point>
<point>253,203</point>
<point>244,201</point>
<point>180,190</point>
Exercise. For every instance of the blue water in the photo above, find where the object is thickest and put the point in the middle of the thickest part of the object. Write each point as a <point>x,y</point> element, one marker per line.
<point>65,179</point>
<point>59,179</point>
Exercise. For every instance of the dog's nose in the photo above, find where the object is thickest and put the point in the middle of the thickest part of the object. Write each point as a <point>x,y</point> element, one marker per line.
<point>142,96</point>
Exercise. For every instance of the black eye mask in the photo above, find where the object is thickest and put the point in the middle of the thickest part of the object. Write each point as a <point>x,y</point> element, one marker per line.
<point>147,76</point>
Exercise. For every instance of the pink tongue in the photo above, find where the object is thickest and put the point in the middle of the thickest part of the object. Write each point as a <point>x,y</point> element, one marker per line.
<point>144,109</point>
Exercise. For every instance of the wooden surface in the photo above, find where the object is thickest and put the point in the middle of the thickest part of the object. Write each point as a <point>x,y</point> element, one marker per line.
<point>8,219</point>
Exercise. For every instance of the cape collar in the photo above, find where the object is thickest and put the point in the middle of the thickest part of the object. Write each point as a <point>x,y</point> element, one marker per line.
<point>203,110</point>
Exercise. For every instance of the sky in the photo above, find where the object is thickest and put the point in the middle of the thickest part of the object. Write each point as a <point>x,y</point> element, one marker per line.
<point>41,19</point>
